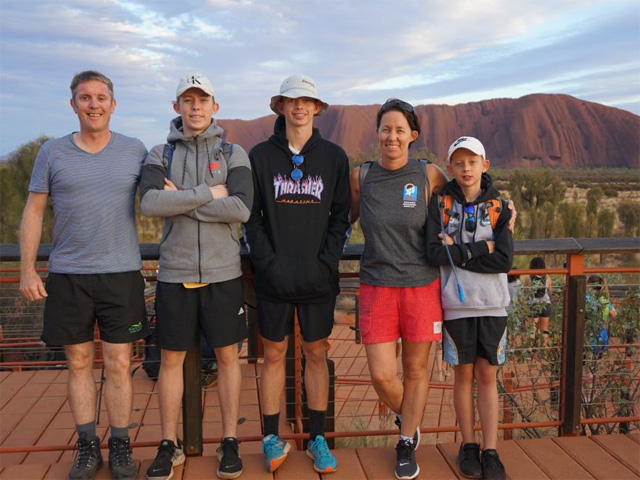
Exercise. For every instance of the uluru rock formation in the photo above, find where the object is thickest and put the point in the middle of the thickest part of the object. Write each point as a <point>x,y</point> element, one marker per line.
<point>541,130</point>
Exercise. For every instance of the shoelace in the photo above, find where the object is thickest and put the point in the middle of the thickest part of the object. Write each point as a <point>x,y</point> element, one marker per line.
<point>122,453</point>
<point>84,454</point>
<point>491,461</point>
<point>272,446</point>
<point>404,449</point>
<point>165,451</point>
<point>321,448</point>
<point>470,453</point>
<point>228,445</point>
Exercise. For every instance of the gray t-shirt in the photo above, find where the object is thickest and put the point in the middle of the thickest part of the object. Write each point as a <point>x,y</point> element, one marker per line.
<point>393,216</point>
<point>93,199</point>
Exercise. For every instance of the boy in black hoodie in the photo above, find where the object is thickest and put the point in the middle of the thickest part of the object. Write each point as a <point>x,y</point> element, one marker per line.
<point>470,222</point>
<point>296,234</point>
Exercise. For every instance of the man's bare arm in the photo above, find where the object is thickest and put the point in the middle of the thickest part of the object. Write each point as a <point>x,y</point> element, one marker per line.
<point>31,286</point>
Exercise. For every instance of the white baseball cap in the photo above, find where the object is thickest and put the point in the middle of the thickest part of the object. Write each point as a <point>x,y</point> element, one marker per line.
<point>297,86</point>
<point>195,80</point>
<point>470,143</point>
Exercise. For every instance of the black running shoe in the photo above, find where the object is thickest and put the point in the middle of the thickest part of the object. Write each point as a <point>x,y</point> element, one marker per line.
<point>406,465</point>
<point>230,461</point>
<point>492,467</point>
<point>169,455</point>
<point>120,462</point>
<point>416,436</point>
<point>88,458</point>
<point>469,460</point>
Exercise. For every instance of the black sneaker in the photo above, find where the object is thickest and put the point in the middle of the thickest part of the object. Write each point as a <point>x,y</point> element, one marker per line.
<point>406,465</point>
<point>492,467</point>
<point>230,462</point>
<point>169,455</point>
<point>469,460</point>
<point>120,462</point>
<point>88,458</point>
<point>416,436</point>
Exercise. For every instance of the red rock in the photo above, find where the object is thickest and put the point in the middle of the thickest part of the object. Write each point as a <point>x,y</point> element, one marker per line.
<point>537,130</point>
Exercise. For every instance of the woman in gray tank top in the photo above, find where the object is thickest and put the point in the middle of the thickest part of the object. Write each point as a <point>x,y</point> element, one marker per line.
<point>399,291</point>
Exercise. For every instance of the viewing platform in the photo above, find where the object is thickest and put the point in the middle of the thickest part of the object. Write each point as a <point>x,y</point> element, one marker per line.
<point>568,410</point>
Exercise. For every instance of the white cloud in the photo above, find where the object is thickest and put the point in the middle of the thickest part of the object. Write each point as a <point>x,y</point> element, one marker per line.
<point>359,52</point>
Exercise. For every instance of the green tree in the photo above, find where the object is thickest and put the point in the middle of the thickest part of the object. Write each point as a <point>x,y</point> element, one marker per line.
<point>532,188</point>
<point>629,215</point>
<point>573,218</point>
<point>606,219</point>
<point>594,195</point>
<point>15,174</point>
<point>542,221</point>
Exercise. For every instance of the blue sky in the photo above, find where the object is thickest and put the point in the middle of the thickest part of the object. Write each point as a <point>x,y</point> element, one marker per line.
<point>359,52</point>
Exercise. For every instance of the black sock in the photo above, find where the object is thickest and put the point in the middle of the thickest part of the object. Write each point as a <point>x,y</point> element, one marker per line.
<point>317,420</point>
<point>270,424</point>
<point>89,429</point>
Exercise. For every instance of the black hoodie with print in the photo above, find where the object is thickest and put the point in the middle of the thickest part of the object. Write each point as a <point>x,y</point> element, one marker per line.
<point>297,229</point>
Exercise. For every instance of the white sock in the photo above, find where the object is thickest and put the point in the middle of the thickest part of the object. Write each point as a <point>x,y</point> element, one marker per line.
<point>406,439</point>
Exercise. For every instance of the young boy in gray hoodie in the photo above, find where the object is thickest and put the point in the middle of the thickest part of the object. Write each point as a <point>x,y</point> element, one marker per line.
<point>202,187</point>
<point>468,227</point>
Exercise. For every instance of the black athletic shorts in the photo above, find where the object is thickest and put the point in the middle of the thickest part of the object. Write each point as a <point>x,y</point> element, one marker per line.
<point>76,301</point>
<point>217,310</point>
<point>465,339</point>
<point>541,309</point>
<point>276,320</point>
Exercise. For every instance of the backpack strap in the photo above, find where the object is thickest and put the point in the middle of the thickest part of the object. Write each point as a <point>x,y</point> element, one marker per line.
<point>494,208</point>
<point>167,157</point>
<point>227,150</point>
<point>362,173</point>
<point>423,163</point>
<point>445,204</point>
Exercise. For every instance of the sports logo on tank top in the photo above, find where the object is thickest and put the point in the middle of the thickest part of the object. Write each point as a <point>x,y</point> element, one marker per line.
<point>410,196</point>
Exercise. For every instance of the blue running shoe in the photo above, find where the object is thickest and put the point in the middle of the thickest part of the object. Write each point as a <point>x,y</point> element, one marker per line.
<point>323,460</point>
<point>276,450</point>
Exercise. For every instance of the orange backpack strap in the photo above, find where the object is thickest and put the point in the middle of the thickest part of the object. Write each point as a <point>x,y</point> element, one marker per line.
<point>494,208</point>
<point>445,203</point>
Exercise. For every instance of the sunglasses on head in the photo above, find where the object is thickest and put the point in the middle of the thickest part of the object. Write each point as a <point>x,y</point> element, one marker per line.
<point>297,160</point>
<point>396,102</point>
<point>470,221</point>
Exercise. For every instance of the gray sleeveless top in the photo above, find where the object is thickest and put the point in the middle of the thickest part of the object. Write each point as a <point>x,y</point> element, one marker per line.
<point>393,216</point>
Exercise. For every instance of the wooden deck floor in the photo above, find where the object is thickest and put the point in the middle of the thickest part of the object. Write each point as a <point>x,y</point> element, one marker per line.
<point>602,457</point>
<point>34,412</point>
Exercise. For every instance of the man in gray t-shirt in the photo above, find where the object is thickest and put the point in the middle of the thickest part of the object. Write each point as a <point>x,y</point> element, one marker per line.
<point>91,177</point>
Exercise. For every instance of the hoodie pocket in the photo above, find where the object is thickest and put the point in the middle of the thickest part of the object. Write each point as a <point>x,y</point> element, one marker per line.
<point>298,277</point>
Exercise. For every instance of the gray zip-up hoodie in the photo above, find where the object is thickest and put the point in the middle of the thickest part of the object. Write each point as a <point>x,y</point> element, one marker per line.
<point>483,275</point>
<point>199,234</point>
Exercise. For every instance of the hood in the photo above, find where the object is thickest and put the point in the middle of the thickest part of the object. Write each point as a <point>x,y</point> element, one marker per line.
<point>175,132</point>
<point>279,137</point>
<point>486,184</point>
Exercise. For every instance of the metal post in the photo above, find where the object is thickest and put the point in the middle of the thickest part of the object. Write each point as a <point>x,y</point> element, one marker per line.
<point>192,400</point>
<point>573,349</point>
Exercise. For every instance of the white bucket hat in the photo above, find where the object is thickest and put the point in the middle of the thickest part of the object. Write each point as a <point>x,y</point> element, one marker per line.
<point>297,86</point>
<point>470,143</point>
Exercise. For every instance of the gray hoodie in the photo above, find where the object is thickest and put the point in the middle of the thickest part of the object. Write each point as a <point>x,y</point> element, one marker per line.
<point>199,235</point>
